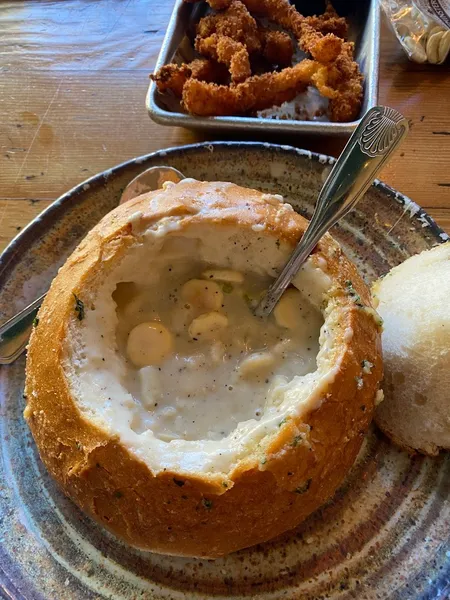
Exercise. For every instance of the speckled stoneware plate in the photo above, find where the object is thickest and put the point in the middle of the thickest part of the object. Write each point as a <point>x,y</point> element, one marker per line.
<point>385,534</point>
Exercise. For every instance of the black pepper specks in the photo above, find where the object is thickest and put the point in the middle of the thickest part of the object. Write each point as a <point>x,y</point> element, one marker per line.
<point>79,308</point>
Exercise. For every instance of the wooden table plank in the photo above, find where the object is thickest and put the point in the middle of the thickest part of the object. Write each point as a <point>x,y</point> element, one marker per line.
<point>422,93</point>
<point>74,125</point>
<point>72,104</point>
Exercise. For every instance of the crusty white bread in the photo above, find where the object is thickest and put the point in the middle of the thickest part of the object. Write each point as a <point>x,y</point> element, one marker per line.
<point>414,301</point>
<point>279,481</point>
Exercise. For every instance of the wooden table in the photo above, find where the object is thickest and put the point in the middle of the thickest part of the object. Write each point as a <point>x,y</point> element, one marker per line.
<point>73,78</point>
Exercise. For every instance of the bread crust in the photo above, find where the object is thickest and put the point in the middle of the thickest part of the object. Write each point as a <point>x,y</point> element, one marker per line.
<point>198,515</point>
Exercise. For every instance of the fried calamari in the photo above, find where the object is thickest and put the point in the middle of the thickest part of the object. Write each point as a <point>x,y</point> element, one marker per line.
<point>173,77</point>
<point>233,39</point>
<point>236,23</point>
<point>227,51</point>
<point>256,93</point>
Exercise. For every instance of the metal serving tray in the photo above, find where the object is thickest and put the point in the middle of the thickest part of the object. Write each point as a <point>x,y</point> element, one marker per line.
<point>364,19</point>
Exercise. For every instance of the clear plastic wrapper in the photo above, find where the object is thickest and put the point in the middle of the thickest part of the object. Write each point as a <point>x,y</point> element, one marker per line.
<point>422,27</point>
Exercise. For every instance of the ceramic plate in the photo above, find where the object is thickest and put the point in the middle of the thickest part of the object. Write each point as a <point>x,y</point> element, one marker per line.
<point>385,534</point>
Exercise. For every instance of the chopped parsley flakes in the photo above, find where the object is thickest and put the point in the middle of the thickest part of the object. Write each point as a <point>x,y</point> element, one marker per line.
<point>353,294</point>
<point>297,439</point>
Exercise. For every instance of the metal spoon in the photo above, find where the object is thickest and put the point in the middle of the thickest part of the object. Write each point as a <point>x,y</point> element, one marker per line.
<point>151,179</point>
<point>14,334</point>
<point>380,132</point>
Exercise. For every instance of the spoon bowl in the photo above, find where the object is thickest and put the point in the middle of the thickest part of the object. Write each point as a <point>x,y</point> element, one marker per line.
<point>149,180</point>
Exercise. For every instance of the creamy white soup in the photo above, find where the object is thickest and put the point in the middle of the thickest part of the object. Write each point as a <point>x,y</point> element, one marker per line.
<point>199,361</point>
<point>170,358</point>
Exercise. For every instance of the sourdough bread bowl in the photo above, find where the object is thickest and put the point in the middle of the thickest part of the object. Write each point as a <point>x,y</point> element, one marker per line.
<point>168,412</point>
<point>413,300</point>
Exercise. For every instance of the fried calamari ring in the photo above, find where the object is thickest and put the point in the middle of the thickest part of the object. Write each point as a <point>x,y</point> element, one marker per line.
<point>239,25</point>
<point>235,22</point>
<point>345,78</point>
<point>322,48</point>
<point>318,35</point>
<point>256,93</point>
<point>342,83</point>
<point>173,77</point>
<point>323,37</point>
<point>227,51</point>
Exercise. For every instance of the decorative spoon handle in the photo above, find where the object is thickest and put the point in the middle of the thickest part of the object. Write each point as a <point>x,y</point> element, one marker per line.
<point>380,132</point>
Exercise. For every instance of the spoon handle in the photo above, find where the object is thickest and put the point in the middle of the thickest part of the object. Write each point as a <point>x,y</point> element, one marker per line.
<point>14,333</point>
<point>380,132</point>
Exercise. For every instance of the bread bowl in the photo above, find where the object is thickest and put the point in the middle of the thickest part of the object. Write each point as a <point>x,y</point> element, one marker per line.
<point>229,481</point>
<point>413,300</point>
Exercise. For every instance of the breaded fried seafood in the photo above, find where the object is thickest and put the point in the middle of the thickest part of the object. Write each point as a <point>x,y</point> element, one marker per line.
<point>259,61</point>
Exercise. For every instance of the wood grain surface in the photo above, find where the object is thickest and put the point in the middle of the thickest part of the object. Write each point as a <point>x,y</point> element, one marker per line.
<point>73,78</point>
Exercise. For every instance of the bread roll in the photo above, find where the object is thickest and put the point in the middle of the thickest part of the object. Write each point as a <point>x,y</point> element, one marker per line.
<point>180,469</point>
<point>414,302</point>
